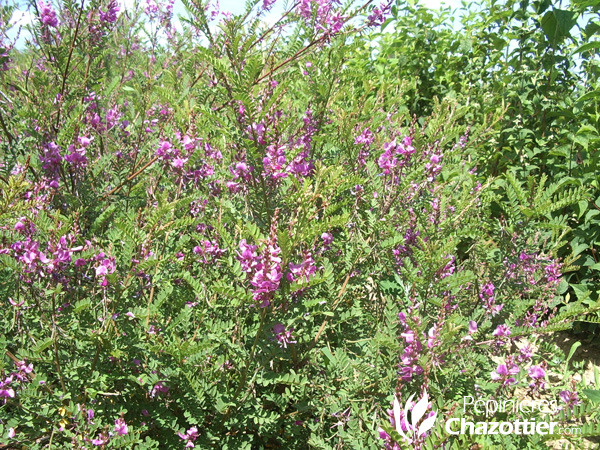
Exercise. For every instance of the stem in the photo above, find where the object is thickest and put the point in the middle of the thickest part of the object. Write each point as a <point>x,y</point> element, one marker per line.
<point>5,129</point>
<point>66,73</point>
<point>55,345</point>
<point>131,177</point>
<point>242,384</point>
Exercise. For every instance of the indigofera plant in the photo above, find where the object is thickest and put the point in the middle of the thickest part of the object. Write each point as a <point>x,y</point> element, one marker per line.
<point>224,237</point>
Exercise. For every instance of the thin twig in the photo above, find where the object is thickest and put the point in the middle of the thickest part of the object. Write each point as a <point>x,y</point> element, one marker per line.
<point>131,177</point>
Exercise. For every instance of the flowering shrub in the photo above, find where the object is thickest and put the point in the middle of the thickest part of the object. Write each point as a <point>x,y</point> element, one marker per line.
<point>224,238</point>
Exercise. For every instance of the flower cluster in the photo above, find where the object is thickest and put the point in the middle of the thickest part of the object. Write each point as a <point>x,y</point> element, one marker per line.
<point>304,270</point>
<point>241,172</point>
<point>283,336</point>
<point>409,360</point>
<point>365,139</point>
<point>76,156</point>
<point>42,263</point>
<point>110,15</point>
<point>396,154</point>
<point>47,15</point>
<point>570,398</point>
<point>537,375</point>
<point>377,16</point>
<point>105,265</point>
<point>488,299</point>
<point>209,251</point>
<point>120,429</point>
<point>189,437</point>
<point>327,19</point>
<point>264,270</point>
<point>275,162</point>
<point>504,372</point>
<point>15,380</point>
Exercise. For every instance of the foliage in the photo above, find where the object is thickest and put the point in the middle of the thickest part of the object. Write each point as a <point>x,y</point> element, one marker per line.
<point>254,235</point>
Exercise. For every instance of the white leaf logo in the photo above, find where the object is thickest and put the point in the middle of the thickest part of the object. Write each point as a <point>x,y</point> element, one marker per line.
<point>397,415</point>
<point>419,409</point>
<point>427,424</point>
<point>417,413</point>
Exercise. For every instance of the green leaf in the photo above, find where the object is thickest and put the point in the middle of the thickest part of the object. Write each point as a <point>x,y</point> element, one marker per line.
<point>592,394</point>
<point>43,345</point>
<point>558,23</point>
<point>587,46</point>
<point>574,348</point>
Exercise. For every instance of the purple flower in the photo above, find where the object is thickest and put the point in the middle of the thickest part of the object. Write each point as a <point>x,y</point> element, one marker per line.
<point>283,336</point>
<point>553,272</point>
<point>121,427</point>
<point>570,398</point>
<point>247,256</point>
<point>432,336</point>
<point>305,269</point>
<point>51,158</point>
<point>105,267</point>
<point>433,167</point>
<point>110,15</point>
<point>240,171</point>
<point>472,327</point>
<point>159,388</point>
<point>274,162</point>
<point>334,23</point>
<point>377,16</point>
<point>267,4</point>
<point>365,138</point>
<point>189,437</point>
<point>16,304</point>
<point>47,14</point>
<point>76,157</point>
<point>100,440</point>
<point>264,270</point>
<point>178,162</point>
<point>489,301</point>
<point>537,374</point>
<point>268,274</point>
<point>526,353</point>
<point>209,251</point>
<point>22,366</point>
<point>503,373</point>
<point>301,165</point>
<point>5,391</point>
<point>164,150</point>
<point>449,268</point>
<point>387,161</point>
<point>84,141</point>
<point>501,330</point>
<point>409,359</point>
